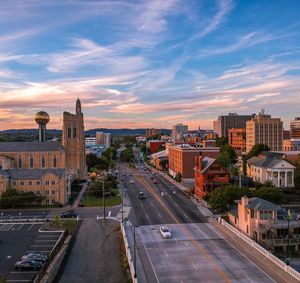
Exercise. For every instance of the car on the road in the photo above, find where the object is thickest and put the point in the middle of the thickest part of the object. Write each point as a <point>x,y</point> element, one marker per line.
<point>35,256</point>
<point>28,265</point>
<point>142,195</point>
<point>68,214</point>
<point>131,181</point>
<point>165,232</point>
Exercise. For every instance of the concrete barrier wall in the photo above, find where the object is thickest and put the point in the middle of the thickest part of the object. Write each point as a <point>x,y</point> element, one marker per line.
<point>55,264</point>
<point>129,256</point>
<point>259,248</point>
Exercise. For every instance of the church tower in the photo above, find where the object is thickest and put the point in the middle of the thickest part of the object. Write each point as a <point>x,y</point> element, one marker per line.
<point>73,140</point>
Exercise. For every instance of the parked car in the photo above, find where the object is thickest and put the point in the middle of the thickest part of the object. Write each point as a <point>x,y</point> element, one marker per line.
<point>142,195</point>
<point>68,214</point>
<point>36,257</point>
<point>131,181</point>
<point>28,265</point>
<point>165,232</point>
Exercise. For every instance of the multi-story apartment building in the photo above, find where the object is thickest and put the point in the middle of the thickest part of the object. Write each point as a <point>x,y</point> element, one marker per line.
<point>209,175</point>
<point>90,141</point>
<point>152,132</point>
<point>263,129</point>
<point>232,120</point>
<point>182,159</point>
<point>237,139</point>
<point>178,130</point>
<point>103,139</point>
<point>267,224</point>
<point>295,128</point>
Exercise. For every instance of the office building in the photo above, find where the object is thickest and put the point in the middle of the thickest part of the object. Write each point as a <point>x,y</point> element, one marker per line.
<point>232,120</point>
<point>295,128</point>
<point>263,129</point>
<point>237,139</point>
<point>103,139</point>
<point>152,132</point>
<point>178,131</point>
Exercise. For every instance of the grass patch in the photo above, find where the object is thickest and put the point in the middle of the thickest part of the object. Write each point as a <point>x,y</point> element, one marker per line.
<point>92,201</point>
<point>67,225</point>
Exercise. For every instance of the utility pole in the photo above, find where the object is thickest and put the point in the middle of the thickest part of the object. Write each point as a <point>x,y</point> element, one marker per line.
<point>103,199</point>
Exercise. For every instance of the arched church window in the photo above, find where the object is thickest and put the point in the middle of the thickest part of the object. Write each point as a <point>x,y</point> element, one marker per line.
<point>31,162</point>
<point>43,162</point>
<point>54,162</point>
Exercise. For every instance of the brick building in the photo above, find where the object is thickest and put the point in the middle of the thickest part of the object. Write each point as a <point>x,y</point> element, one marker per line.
<point>237,139</point>
<point>209,174</point>
<point>182,159</point>
<point>155,145</point>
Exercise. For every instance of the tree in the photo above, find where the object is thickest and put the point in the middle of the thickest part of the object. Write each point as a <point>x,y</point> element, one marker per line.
<point>221,141</point>
<point>227,156</point>
<point>91,160</point>
<point>178,177</point>
<point>270,194</point>
<point>257,149</point>
<point>164,164</point>
<point>127,155</point>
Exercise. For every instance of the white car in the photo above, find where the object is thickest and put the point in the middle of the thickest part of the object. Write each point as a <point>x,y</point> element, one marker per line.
<point>131,181</point>
<point>165,232</point>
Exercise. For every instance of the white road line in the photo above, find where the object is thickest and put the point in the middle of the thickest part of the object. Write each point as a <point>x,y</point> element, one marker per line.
<point>176,204</point>
<point>185,215</point>
<point>38,251</point>
<point>20,227</point>
<point>166,253</point>
<point>11,280</point>
<point>195,266</point>
<point>151,203</point>
<point>20,272</point>
<point>48,236</point>
<point>147,216</point>
<point>142,205</point>
<point>29,228</point>
<point>159,215</point>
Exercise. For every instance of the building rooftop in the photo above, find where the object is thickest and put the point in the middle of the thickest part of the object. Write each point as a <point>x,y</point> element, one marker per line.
<point>206,163</point>
<point>261,204</point>
<point>21,174</point>
<point>30,146</point>
<point>263,162</point>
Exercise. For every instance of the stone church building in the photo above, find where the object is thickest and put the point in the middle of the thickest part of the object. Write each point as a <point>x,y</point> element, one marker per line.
<point>46,168</point>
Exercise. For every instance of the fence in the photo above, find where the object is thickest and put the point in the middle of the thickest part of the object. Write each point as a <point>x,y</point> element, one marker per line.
<point>259,248</point>
<point>129,256</point>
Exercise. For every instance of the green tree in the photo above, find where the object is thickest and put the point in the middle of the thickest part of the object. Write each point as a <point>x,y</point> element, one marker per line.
<point>91,160</point>
<point>178,177</point>
<point>221,141</point>
<point>257,149</point>
<point>270,194</point>
<point>164,163</point>
<point>127,155</point>
<point>227,156</point>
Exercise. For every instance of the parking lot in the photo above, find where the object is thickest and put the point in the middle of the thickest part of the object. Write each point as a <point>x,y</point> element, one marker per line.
<point>17,239</point>
<point>196,253</point>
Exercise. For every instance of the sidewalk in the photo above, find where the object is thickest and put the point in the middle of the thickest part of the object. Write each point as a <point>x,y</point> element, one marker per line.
<point>78,199</point>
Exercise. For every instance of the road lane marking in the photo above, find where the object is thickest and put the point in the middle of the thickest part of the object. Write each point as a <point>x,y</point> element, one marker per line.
<point>151,203</point>
<point>188,234</point>
<point>29,228</point>
<point>36,246</point>
<point>195,266</point>
<point>45,241</point>
<point>159,215</point>
<point>147,216</point>
<point>18,272</point>
<point>38,251</point>
<point>166,253</point>
<point>20,227</point>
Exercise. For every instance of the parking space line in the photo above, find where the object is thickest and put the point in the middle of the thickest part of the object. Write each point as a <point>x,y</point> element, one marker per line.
<point>166,253</point>
<point>48,236</point>
<point>38,251</point>
<point>20,272</point>
<point>15,280</point>
<point>195,266</point>
<point>159,215</point>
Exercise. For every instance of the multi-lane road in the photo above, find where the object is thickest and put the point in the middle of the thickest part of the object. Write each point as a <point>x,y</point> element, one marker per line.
<point>197,251</point>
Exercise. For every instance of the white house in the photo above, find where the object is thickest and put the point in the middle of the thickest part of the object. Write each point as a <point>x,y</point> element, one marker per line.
<point>277,171</point>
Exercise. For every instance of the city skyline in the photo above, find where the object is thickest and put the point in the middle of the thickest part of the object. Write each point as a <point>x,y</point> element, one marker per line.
<point>148,63</point>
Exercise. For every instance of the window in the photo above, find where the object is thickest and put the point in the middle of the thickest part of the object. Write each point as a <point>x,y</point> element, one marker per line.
<point>74,133</point>
<point>14,183</point>
<point>37,183</point>
<point>52,201</point>
<point>54,161</point>
<point>69,133</point>
<point>47,183</point>
<point>37,192</point>
<point>263,236</point>
<point>53,183</point>
<point>43,162</point>
<point>22,183</point>
<point>47,201</point>
<point>47,192</point>
<point>29,183</point>
<point>20,162</point>
<point>252,213</point>
<point>53,192</point>
<point>31,162</point>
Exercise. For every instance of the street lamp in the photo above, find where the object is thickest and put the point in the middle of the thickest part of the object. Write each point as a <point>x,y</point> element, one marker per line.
<point>288,218</point>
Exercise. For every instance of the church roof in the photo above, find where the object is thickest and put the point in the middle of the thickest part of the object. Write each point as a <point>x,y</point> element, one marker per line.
<point>30,146</point>
<point>21,174</point>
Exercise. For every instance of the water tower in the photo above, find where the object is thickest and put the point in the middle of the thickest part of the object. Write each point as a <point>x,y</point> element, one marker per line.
<point>42,118</point>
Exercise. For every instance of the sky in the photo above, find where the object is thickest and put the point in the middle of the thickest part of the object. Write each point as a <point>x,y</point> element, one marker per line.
<point>140,64</point>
